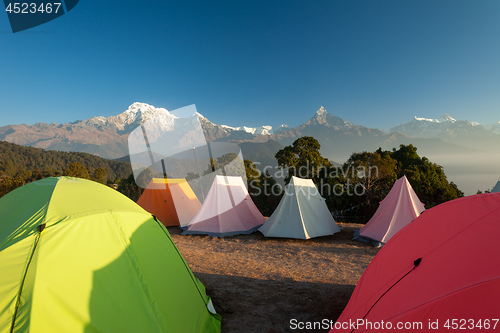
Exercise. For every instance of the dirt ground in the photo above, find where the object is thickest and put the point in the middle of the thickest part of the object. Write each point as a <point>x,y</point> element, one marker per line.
<point>260,284</point>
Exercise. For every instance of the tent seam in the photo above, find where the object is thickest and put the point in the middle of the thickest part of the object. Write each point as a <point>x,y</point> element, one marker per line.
<point>21,287</point>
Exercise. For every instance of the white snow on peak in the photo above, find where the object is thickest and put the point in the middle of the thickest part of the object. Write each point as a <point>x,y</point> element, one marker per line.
<point>250,130</point>
<point>427,119</point>
<point>321,111</point>
<point>145,111</point>
<point>141,113</point>
<point>199,115</point>
<point>264,130</point>
<point>281,128</point>
<point>443,119</point>
<point>261,130</point>
<point>474,123</point>
<point>446,118</point>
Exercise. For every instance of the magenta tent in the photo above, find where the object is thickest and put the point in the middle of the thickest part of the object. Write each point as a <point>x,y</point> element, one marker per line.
<point>399,207</point>
<point>227,210</point>
<point>442,269</point>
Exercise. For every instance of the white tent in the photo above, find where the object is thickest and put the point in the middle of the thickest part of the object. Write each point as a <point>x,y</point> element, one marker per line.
<point>301,213</point>
<point>399,207</point>
<point>227,210</point>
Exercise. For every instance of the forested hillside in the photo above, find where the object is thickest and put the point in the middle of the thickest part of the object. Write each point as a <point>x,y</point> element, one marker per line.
<point>19,165</point>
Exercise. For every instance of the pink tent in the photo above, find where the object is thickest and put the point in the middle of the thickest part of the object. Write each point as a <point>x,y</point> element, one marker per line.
<point>227,210</point>
<point>440,270</point>
<point>400,207</point>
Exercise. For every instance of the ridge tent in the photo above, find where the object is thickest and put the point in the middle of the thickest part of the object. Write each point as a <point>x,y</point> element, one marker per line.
<point>78,256</point>
<point>399,208</point>
<point>172,201</point>
<point>302,213</point>
<point>497,187</point>
<point>440,268</point>
<point>227,210</point>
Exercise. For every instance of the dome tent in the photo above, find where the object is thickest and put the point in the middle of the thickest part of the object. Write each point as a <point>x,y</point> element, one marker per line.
<point>302,213</point>
<point>399,207</point>
<point>172,201</point>
<point>227,210</point>
<point>78,256</point>
<point>438,268</point>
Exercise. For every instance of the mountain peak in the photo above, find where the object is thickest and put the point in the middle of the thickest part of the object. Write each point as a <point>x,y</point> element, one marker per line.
<point>143,111</point>
<point>446,118</point>
<point>200,115</point>
<point>321,111</point>
<point>322,117</point>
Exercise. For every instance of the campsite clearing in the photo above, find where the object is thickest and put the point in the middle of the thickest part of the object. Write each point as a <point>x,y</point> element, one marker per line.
<point>260,284</point>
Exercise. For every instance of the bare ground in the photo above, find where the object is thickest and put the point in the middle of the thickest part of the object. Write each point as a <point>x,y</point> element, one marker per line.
<point>260,284</point>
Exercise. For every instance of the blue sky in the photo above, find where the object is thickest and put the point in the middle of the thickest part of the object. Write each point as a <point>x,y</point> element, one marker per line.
<point>372,62</point>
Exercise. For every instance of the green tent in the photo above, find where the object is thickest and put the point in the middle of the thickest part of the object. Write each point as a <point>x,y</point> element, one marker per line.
<point>77,256</point>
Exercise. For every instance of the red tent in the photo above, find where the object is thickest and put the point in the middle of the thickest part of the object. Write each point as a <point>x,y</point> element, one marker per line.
<point>440,270</point>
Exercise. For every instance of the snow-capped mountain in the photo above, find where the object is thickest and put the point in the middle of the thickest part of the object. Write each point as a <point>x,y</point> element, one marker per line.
<point>261,130</point>
<point>107,136</point>
<point>132,117</point>
<point>322,117</point>
<point>281,128</point>
<point>444,126</point>
<point>438,139</point>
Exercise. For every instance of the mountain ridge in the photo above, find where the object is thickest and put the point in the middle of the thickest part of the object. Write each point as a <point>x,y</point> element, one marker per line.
<point>437,139</point>
<point>107,137</point>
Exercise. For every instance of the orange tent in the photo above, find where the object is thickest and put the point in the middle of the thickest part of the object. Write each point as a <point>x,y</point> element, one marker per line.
<point>172,201</point>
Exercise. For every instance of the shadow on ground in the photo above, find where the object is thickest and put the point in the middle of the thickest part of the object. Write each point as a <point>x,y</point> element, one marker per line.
<point>268,306</point>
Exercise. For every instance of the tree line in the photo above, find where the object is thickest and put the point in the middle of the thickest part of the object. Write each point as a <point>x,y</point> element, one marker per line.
<point>20,165</point>
<point>354,189</point>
